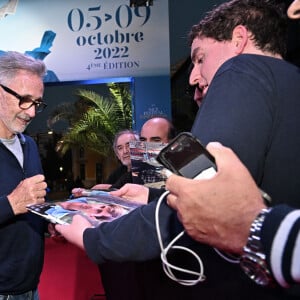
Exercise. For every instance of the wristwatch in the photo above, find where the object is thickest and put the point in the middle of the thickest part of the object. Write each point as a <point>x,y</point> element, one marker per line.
<point>253,260</point>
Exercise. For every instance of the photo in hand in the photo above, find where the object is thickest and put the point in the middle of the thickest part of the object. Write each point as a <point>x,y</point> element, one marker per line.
<point>100,207</point>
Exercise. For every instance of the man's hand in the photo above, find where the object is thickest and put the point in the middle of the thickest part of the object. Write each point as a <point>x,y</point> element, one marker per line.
<point>134,192</point>
<point>74,232</point>
<point>31,190</point>
<point>220,210</point>
<point>101,186</point>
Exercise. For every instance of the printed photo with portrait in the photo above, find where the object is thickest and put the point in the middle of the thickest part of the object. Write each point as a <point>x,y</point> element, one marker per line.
<point>92,208</point>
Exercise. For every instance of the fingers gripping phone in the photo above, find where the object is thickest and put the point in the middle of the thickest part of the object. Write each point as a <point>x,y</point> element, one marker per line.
<point>186,156</point>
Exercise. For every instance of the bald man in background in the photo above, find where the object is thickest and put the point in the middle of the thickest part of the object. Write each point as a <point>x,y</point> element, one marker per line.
<point>157,130</point>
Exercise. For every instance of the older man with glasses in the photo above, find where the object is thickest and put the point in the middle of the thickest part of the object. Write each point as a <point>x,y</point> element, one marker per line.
<point>21,177</point>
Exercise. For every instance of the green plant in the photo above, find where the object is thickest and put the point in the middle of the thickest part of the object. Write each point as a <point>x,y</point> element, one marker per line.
<point>94,120</point>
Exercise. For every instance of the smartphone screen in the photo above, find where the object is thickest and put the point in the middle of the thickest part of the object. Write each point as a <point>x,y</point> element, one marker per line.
<point>187,157</point>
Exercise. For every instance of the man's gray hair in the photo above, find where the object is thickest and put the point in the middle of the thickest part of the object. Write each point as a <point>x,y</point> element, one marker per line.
<point>11,62</point>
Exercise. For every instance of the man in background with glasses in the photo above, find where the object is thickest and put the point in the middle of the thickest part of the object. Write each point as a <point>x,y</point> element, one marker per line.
<point>21,177</point>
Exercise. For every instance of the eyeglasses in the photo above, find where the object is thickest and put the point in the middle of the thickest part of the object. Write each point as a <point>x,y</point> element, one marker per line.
<point>25,102</point>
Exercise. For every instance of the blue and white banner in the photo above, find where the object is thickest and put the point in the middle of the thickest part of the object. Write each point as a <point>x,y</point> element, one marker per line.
<point>90,39</point>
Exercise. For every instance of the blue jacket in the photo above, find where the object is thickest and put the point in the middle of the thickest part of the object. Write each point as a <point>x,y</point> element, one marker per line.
<point>22,236</point>
<point>252,105</point>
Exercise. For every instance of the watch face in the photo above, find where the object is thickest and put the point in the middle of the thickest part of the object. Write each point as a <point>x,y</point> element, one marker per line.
<point>256,270</point>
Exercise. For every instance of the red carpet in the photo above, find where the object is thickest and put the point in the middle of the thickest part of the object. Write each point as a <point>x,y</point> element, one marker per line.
<point>68,274</point>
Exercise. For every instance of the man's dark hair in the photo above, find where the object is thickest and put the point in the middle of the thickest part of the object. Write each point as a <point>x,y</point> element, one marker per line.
<point>265,19</point>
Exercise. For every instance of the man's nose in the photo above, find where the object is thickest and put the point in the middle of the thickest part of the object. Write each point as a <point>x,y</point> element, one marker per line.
<point>195,76</point>
<point>126,148</point>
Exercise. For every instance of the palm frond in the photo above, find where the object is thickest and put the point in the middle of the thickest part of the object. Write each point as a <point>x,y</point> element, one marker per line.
<point>94,120</point>
<point>64,111</point>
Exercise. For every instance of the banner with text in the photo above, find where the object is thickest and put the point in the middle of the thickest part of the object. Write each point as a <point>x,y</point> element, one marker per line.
<point>91,39</point>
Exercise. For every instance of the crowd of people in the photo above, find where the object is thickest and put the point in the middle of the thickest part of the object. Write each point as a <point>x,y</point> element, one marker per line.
<point>249,105</point>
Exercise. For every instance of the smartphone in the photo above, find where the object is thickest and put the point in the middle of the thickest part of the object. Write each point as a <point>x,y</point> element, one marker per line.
<point>186,156</point>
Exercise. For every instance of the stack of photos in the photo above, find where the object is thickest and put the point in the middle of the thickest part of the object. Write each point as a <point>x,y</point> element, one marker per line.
<point>145,168</point>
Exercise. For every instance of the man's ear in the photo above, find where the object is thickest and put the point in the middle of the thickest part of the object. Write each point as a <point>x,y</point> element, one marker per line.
<point>240,38</point>
<point>293,11</point>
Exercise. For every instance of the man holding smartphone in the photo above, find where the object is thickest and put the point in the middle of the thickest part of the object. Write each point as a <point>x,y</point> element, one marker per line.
<point>221,200</point>
<point>232,201</point>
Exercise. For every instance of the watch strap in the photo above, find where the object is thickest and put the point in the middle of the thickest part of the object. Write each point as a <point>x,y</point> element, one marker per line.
<point>253,259</point>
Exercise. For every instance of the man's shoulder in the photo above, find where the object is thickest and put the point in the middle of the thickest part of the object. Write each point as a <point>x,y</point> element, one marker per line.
<point>24,138</point>
<point>116,174</point>
<point>259,67</point>
<point>246,62</point>
<point>120,169</point>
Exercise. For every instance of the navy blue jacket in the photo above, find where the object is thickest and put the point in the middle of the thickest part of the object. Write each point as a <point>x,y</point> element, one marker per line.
<point>252,105</point>
<point>22,236</point>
